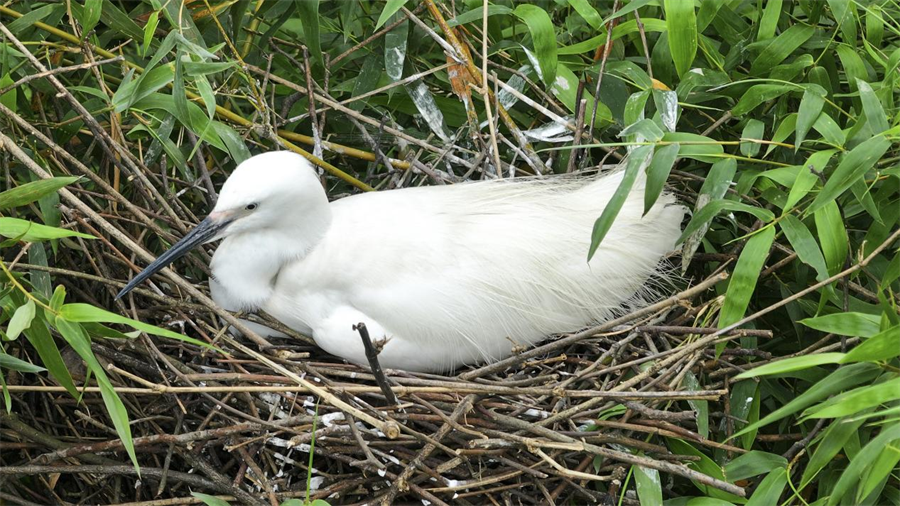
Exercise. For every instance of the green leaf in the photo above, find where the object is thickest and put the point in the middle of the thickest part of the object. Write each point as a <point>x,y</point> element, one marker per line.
<point>681,26</point>
<point>150,31</point>
<point>780,48</point>
<point>754,129</point>
<point>792,364</point>
<point>33,16</point>
<point>854,67</point>
<point>39,336</point>
<point>713,208</point>
<point>804,244</point>
<point>769,489</point>
<point>390,8</point>
<point>862,462</point>
<point>91,16</point>
<point>831,442</point>
<point>856,400</point>
<point>658,173</point>
<point>20,320</point>
<point>753,463</point>
<point>649,486</point>
<point>838,380</point>
<point>829,130</point>
<point>810,108</point>
<point>114,18</point>
<point>79,341</point>
<point>882,346</point>
<point>806,178</point>
<point>746,273</point>
<point>137,89</point>
<point>832,236</point>
<point>588,12</point>
<point>758,94</point>
<point>211,500</point>
<point>16,364</point>
<point>846,324</point>
<point>477,14</point>
<point>30,232</point>
<point>873,108</point>
<point>543,37</point>
<point>87,313</point>
<point>9,98</point>
<point>769,21</point>
<point>696,147</point>
<point>308,10</point>
<point>637,161</point>
<point>33,191</point>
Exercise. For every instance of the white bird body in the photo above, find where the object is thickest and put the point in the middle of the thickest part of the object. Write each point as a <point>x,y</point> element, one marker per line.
<point>451,275</point>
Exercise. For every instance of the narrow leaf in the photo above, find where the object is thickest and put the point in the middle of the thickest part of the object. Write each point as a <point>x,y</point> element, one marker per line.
<point>637,161</point>
<point>746,273</point>
<point>681,26</point>
<point>810,108</point>
<point>658,173</point>
<point>543,37</point>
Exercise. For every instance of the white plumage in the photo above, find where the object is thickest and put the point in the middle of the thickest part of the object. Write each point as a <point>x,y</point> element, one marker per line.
<point>450,274</point>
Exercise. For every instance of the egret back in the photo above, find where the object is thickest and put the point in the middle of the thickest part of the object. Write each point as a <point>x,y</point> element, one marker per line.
<point>473,269</point>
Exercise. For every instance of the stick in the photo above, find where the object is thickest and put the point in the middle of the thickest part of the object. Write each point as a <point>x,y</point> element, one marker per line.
<point>372,357</point>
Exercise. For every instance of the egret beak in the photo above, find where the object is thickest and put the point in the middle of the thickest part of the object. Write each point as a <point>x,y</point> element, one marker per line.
<point>205,231</point>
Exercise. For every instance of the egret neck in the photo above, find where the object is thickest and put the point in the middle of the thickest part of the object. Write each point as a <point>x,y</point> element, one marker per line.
<point>246,264</point>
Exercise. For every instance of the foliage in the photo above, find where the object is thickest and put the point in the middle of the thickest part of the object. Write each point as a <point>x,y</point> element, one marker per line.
<point>777,122</point>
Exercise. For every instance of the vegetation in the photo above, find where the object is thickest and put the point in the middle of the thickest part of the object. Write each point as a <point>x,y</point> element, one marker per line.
<point>775,380</point>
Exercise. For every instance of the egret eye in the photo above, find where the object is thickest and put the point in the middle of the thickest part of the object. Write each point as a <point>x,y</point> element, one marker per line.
<point>251,207</point>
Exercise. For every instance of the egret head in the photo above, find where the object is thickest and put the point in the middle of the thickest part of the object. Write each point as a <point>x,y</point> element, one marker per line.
<point>267,192</point>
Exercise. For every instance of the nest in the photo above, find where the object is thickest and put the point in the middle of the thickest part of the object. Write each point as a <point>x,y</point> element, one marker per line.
<point>562,423</point>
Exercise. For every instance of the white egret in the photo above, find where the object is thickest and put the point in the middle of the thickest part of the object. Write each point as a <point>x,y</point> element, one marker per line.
<point>451,275</point>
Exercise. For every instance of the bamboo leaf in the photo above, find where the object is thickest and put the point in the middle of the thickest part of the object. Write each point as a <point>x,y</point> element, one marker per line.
<point>846,324</point>
<point>753,130</point>
<point>770,489</point>
<point>875,115</point>
<point>792,364</point>
<point>832,237</point>
<point>681,26</point>
<point>882,346</point>
<point>79,341</point>
<point>804,244</point>
<point>33,191</point>
<point>649,486</point>
<point>390,8</point>
<point>658,173</point>
<point>637,162</point>
<point>91,16</point>
<point>713,208</point>
<point>810,108</point>
<point>588,12</point>
<point>20,320</point>
<point>30,232</point>
<point>862,462</point>
<point>543,37</point>
<point>769,21</point>
<point>308,11</point>
<point>835,382</point>
<point>758,94</point>
<point>17,364</point>
<point>780,48</point>
<point>82,313</point>
<point>743,282</point>
<point>39,336</point>
<point>856,400</point>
